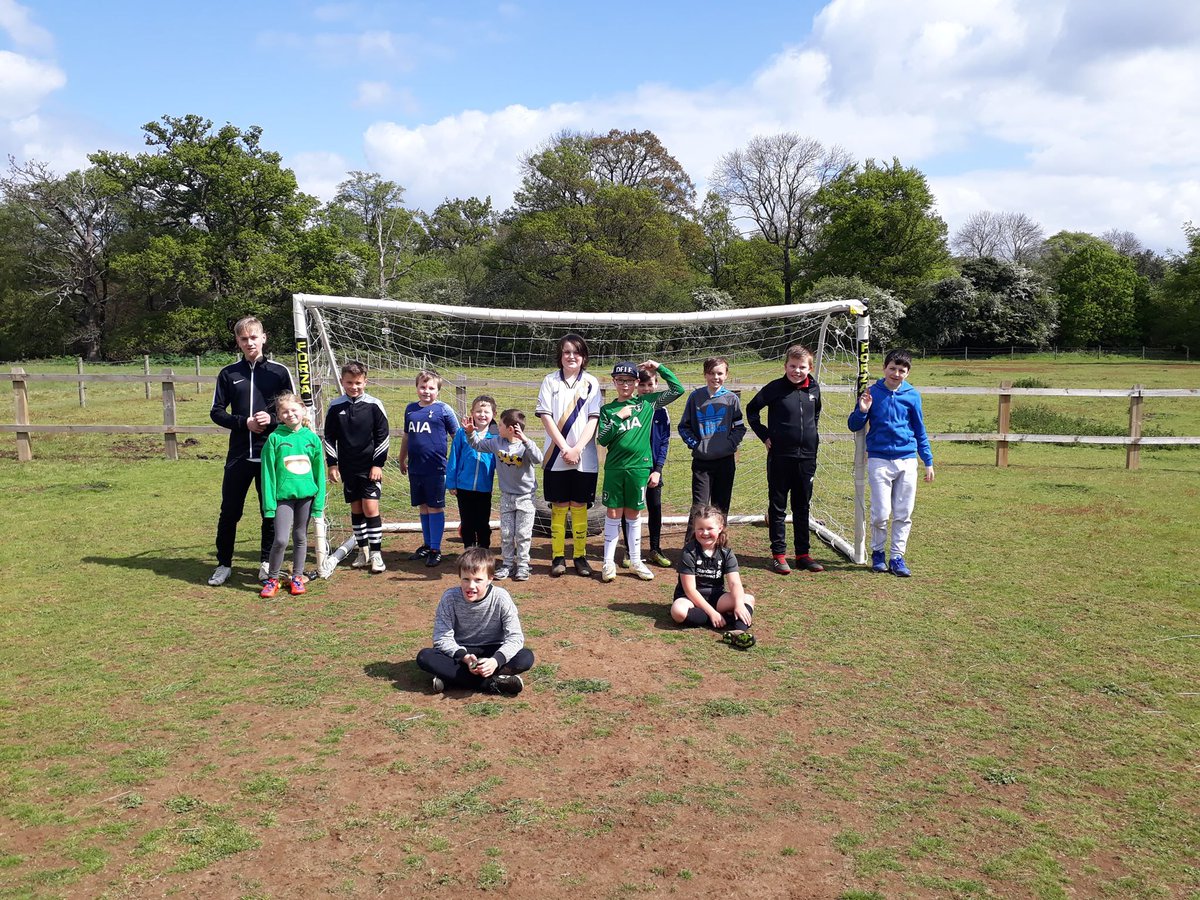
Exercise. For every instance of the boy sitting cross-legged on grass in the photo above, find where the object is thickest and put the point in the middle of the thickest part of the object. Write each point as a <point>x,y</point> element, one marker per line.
<point>895,438</point>
<point>625,427</point>
<point>429,426</point>
<point>477,639</point>
<point>356,448</point>
<point>518,458</point>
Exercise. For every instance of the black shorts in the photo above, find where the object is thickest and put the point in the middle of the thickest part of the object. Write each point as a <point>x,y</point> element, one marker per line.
<point>712,595</point>
<point>360,487</point>
<point>570,486</point>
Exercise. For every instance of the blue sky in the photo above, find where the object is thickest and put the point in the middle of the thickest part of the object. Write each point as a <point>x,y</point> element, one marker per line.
<point>1082,114</point>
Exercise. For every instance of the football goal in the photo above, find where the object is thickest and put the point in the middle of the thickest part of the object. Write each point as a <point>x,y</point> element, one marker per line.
<point>505,353</point>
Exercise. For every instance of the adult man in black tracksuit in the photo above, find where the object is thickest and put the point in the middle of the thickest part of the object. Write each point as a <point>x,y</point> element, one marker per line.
<point>244,402</point>
<point>793,405</point>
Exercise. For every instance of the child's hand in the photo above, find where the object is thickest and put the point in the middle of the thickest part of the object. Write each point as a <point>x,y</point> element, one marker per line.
<point>468,425</point>
<point>570,456</point>
<point>864,401</point>
<point>625,413</point>
<point>335,474</point>
<point>403,464</point>
<point>649,365</point>
<point>717,620</point>
<point>376,473</point>
<point>655,479</point>
<point>929,473</point>
<point>742,611</point>
<point>484,668</point>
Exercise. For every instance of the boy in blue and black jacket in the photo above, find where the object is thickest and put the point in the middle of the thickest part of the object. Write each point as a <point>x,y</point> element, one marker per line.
<point>793,405</point>
<point>895,439</point>
<point>244,402</point>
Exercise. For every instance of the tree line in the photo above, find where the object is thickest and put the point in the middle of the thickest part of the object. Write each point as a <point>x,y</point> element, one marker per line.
<point>159,251</point>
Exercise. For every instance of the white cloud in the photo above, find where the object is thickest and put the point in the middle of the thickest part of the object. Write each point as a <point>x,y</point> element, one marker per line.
<point>319,173</point>
<point>25,83</point>
<point>381,93</point>
<point>21,29</point>
<point>1099,114</point>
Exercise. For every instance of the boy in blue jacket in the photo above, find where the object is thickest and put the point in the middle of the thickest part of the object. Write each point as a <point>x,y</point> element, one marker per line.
<point>471,474</point>
<point>894,441</point>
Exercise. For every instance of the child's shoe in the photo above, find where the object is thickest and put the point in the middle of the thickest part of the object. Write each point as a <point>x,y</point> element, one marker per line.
<point>642,572</point>
<point>805,562</point>
<point>264,572</point>
<point>582,568</point>
<point>363,559</point>
<point>433,559</point>
<point>377,565</point>
<point>898,568</point>
<point>438,685</point>
<point>659,558</point>
<point>420,553</point>
<point>502,573</point>
<point>269,589</point>
<point>779,564</point>
<point>296,586</point>
<point>878,561</point>
<point>559,567</point>
<point>608,572</point>
<point>522,574</point>
<point>219,576</point>
<point>510,685</point>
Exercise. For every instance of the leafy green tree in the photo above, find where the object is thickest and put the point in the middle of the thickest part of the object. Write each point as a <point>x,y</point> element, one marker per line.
<point>1095,288</point>
<point>751,273</point>
<point>213,220</point>
<point>370,209</point>
<point>880,225</point>
<point>717,231</point>
<point>459,231</point>
<point>638,159</point>
<point>775,181</point>
<point>1176,307</point>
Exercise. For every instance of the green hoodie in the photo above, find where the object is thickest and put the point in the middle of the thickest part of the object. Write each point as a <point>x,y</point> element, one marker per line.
<point>293,468</point>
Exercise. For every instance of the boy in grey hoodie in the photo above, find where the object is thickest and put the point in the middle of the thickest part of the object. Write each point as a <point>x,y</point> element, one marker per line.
<point>517,458</point>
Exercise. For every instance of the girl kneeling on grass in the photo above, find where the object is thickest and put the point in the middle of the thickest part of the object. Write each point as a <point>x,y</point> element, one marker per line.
<point>710,590</point>
<point>293,489</point>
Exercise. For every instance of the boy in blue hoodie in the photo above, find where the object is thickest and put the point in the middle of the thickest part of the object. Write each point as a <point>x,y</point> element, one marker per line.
<point>894,441</point>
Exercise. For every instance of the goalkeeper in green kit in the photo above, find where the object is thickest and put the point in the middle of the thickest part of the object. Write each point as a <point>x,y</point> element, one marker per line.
<point>624,430</point>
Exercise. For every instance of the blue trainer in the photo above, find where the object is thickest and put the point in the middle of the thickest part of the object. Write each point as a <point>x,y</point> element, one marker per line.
<point>878,561</point>
<point>898,568</point>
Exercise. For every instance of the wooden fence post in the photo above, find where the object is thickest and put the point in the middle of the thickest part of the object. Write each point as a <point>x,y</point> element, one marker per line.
<point>198,385</point>
<point>21,413</point>
<point>170,439</point>
<point>1003,420</point>
<point>460,396</point>
<point>146,370</point>
<point>82,387</point>
<point>1133,452</point>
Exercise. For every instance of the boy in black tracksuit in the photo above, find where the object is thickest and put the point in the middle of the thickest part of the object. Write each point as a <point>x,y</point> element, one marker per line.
<point>244,402</point>
<point>793,405</point>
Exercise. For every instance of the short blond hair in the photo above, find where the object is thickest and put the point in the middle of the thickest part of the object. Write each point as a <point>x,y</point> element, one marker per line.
<point>245,323</point>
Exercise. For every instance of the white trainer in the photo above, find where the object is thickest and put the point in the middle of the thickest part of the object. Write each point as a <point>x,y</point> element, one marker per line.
<point>219,576</point>
<point>325,569</point>
<point>639,569</point>
<point>362,560</point>
<point>377,565</point>
<point>608,572</point>
<point>438,685</point>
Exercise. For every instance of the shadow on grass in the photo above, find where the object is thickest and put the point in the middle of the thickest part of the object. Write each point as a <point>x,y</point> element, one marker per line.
<point>659,613</point>
<point>404,676</point>
<point>164,563</point>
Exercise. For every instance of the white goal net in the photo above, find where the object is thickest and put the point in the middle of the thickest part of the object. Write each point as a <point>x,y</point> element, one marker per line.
<point>505,353</point>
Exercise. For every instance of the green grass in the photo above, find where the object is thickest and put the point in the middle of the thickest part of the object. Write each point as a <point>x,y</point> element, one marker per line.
<point>1019,719</point>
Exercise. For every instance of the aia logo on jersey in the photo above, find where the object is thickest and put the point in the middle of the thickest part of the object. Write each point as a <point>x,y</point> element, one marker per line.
<point>630,424</point>
<point>419,428</point>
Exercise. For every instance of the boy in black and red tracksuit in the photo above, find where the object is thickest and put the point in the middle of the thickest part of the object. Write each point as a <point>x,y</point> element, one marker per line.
<point>244,402</point>
<point>793,405</point>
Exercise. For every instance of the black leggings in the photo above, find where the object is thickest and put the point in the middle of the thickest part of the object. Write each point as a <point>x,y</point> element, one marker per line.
<point>474,510</point>
<point>452,672</point>
<point>235,484</point>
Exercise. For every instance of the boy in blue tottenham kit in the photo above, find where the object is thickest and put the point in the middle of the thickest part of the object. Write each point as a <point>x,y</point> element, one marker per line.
<point>429,425</point>
<point>895,439</point>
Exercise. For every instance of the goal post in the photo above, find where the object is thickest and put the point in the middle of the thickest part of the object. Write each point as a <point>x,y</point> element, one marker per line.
<point>505,353</point>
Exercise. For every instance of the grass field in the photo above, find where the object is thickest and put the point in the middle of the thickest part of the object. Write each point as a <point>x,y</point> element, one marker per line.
<point>1021,719</point>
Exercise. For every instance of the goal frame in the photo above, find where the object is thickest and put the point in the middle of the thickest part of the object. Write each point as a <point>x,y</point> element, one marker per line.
<point>309,345</point>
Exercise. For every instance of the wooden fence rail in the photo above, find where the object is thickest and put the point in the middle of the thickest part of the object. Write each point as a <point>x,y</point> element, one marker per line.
<point>1002,437</point>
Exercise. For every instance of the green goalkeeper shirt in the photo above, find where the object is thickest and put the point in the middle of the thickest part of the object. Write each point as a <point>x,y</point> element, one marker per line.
<point>628,440</point>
